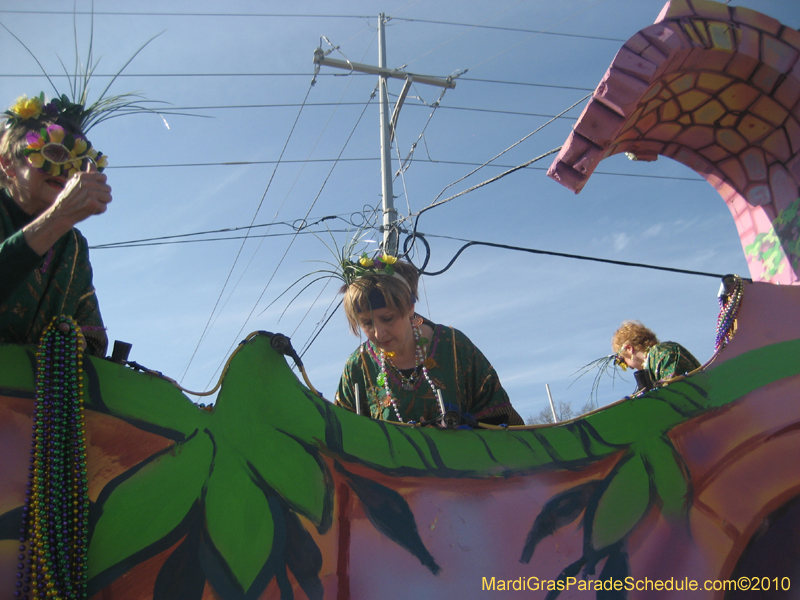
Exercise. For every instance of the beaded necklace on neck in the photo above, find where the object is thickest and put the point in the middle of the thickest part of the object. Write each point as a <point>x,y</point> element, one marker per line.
<point>420,354</point>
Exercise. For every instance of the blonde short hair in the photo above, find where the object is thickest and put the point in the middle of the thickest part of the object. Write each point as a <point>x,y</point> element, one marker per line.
<point>635,334</point>
<point>399,292</point>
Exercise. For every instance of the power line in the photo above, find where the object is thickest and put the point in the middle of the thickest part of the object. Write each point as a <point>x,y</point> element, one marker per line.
<point>622,263</point>
<point>174,14</point>
<point>437,202</point>
<point>353,74</point>
<point>169,240</point>
<point>500,81</point>
<point>295,235</point>
<point>241,247</point>
<point>407,103</point>
<point>374,159</point>
<point>307,16</point>
<point>514,29</point>
<point>297,226</point>
<point>172,75</point>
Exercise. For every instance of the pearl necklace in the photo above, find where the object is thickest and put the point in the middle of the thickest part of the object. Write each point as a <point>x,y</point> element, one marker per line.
<point>420,354</point>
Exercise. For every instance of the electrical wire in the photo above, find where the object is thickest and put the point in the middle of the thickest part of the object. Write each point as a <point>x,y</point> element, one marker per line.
<point>470,28</point>
<point>308,16</point>
<point>623,263</point>
<point>436,201</point>
<point>241,247</point>
<point>322,187</point>
<point>422,160</point>
<point>354,74</point>
<point>514,29</point>
<point>144,241</point>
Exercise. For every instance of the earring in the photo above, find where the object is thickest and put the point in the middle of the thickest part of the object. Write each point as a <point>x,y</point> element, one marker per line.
<point>416,320</point>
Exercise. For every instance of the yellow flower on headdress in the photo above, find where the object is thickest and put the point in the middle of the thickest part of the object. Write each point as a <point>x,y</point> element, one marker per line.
<point>56,133</point>
<point>366,261</point>
<point>36,160</point>
<point>80,146</point>
<point>27,108</point>
<point>388,259</point>
<point>72,167</point>
<point>79,150</point>
<point>100,159</point>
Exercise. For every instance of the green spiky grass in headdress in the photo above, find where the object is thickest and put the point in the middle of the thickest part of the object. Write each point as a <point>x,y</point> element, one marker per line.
<point>601,367</point>
<point>51,148</point>
<point>349,263</point>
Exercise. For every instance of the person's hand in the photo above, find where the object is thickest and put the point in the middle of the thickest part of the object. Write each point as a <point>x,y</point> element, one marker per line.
<point>85,194</point>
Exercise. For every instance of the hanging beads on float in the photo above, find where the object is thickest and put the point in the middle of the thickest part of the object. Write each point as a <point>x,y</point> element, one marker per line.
<point>56,509</point>
<point>728,311</point>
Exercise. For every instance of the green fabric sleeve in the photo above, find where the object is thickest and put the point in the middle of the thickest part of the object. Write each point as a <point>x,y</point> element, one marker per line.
<point>17,260</point>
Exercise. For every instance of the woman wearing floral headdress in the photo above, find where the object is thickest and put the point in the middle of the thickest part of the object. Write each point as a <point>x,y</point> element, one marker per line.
<point>51,180</point>
<point>408,361</point>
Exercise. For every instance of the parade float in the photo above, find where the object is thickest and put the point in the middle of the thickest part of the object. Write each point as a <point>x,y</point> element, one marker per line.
<point>276,493</point>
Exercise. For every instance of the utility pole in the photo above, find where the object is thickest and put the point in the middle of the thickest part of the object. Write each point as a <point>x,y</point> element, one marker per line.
<point>387,123</point>
<point>390,237</point>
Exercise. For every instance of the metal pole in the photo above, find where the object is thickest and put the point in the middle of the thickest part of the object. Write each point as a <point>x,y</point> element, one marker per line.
<point>347,65</point>
<point>388,121</point>
<point>552,406</point>
<point>389,212</point>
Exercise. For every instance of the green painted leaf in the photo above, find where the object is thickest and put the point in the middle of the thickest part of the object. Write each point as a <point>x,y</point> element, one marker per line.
<point>735,378</point>
<point>259,389</point>
<point>147,399</point>
<point>144,505</point>
<point>622,504</point>
<point>18,370</point>
<point>395,445</point>
<point>238,517</point>
<point>300,480</point>
<point>668,476</point>
<point>635,419</point>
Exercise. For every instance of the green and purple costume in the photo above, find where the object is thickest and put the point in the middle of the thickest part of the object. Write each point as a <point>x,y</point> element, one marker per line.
<point>455,365</point>
<point>34,289</point>
<point>669,359</point>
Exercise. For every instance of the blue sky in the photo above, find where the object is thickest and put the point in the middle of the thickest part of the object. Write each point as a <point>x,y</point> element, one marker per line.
<point>537,318</point>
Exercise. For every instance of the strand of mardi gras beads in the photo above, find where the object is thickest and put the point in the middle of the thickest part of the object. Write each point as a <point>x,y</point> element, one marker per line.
<point>728,311</point>
<point>56,508</point>
<point>420,355</point>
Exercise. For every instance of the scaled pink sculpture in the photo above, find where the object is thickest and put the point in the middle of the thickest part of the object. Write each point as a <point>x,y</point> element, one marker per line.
<point>716,88</point>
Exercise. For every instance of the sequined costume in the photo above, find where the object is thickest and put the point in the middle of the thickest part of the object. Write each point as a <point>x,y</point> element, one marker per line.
<point>669,359</point>
<point>455,365</point>
<point>34,289</point>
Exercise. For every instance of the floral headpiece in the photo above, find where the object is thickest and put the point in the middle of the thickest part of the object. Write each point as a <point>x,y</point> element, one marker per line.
<point>52,149</point>
<point>365,265</point>
<point>61,153</point>
<point>347,266</point>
